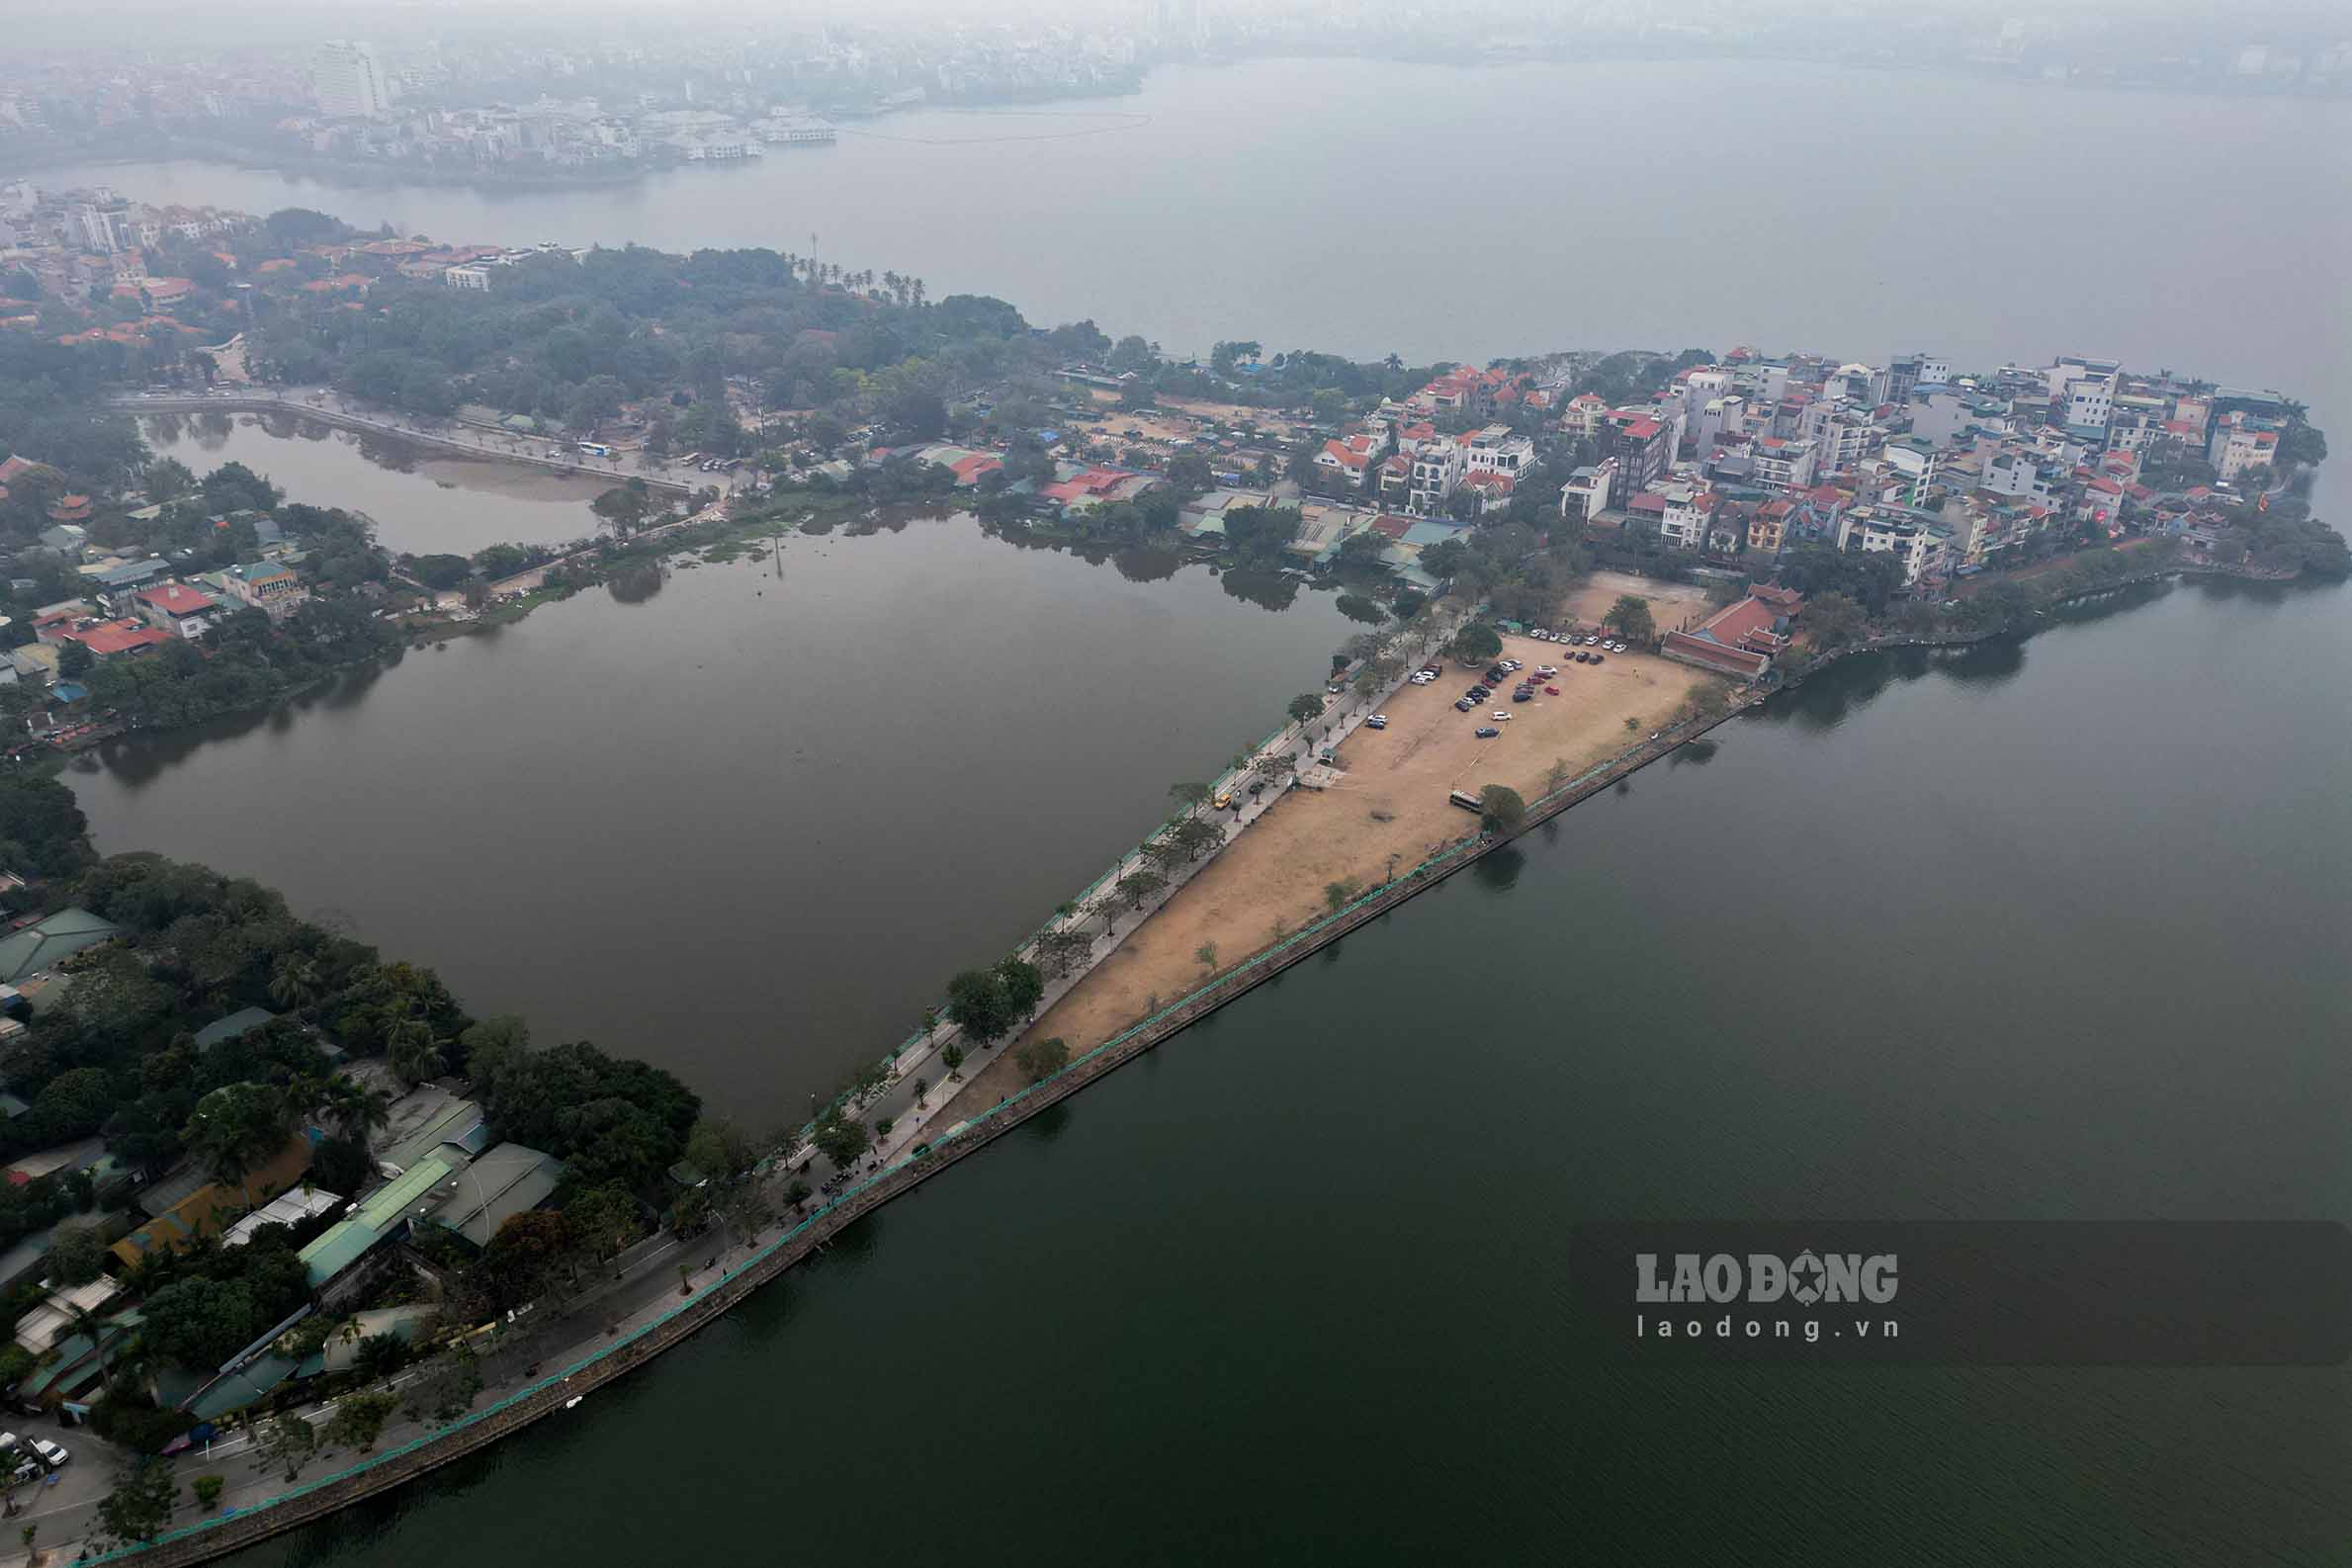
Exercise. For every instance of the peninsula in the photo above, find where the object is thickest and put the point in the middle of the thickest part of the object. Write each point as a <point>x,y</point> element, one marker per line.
<point>1564,565</point>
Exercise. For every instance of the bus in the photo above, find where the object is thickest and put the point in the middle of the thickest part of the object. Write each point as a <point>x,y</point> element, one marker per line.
<point>596,449</point>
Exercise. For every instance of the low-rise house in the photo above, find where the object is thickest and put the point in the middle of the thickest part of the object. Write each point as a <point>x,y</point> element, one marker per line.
<point>189,1205</point>
<point>177,608</point>
<point>48,941</point>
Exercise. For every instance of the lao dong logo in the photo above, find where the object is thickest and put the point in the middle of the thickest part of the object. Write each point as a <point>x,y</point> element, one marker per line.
<point>1763,1279</point>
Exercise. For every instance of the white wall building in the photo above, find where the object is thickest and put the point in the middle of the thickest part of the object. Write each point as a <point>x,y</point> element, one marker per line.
<point>348,83</point>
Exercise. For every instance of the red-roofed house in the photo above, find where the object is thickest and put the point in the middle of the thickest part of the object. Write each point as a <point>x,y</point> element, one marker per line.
<point>114,639</point>
<point>177,608</point>
<point>1493,490</point>
<point>968,471</point>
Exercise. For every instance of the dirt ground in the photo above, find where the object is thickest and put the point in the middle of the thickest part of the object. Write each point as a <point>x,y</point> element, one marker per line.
<point>1110,423</point>
<point>1390,808</point>
<point>1672,604</point>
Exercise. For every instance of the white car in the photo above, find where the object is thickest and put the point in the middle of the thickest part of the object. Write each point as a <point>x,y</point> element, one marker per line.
<point>52,1454</point>
<point>1501,717</point>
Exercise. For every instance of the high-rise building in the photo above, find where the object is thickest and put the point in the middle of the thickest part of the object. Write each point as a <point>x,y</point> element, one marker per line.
<point>348,83</point>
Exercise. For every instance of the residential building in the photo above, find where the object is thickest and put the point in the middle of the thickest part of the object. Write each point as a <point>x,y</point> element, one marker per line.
<point>2241,442</point>
<point>1436,469</point>
<point>472,277</point>
<point>178,609</point>
<point>265,585</point>
<point>1683,518</point>
<point>1587,492</point>
<point>1640,444</point>
<point>1767,526</point>
<point>348,83</point>
<point>1917,542</point>
<point>1495,450</point>
<point>1782,464</point>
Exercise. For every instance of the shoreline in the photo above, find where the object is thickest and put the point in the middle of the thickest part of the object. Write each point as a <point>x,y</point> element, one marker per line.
<point>260,404</point>
<point>208,1539</point>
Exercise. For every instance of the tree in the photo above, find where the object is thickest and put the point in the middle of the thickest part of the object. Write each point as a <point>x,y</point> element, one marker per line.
<point>1040,1060</point>
<point>353,1110</point>
<point>208,1490</point>
<point>953,1056</point>
<point>841,1139</point>
<point>1832,620</point>
<point>1500,808</point>
<point>236,1128</point>
<point>1630,615</point>
<point>987,1003</point>
<point>294,984</point>
<point>719,1149</point>
<point>140,1503</point>
<point>1476,642</point>
<point>1136,887</point>
<point>1188,796</point>
<point>1206,955</point>
<point>1304,707</point>
<point>286,1442</point>
<point>1336,894</point>
<point>359,1420</point>
<point>624,506</point>
<point>74,661</point>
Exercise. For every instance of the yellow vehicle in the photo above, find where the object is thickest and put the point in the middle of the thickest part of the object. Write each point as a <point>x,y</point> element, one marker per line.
<point>1224,801</point>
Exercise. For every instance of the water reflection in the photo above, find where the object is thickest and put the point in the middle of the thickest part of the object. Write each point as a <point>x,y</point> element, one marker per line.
<point>1500,868</point>
<point>1697,753</point>
<point>1268,591</point>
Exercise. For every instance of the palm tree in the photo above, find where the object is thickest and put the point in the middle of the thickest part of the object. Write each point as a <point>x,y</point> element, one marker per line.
<point>355,1110</point>
<point>414,1051</point>
<point>91,1328</point>
<point>295,984</point>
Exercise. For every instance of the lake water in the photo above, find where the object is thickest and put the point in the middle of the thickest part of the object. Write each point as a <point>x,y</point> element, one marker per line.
<point>2043,930</point>
<point>1665,204</point>
<point>421,503</point>
<point>747,828</point>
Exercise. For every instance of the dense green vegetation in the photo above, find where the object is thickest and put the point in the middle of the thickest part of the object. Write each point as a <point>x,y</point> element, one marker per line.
<point>116,1058</point>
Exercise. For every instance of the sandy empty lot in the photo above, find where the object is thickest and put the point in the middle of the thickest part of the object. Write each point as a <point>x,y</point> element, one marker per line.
<point>1389,808</point>
<point>1671,603</point>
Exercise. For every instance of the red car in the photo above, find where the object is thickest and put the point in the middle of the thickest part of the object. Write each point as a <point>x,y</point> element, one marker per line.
<point>1551,691</point>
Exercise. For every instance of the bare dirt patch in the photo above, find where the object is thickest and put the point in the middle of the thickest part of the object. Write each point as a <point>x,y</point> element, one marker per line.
<point>1672,604</point>
<point>1387,811</point>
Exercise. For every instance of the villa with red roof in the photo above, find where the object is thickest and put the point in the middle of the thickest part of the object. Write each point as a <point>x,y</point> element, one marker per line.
<point>178,609</point>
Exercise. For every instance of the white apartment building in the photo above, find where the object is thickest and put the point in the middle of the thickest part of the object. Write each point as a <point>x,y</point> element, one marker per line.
<point>348,83</point>
<point>1437,470</point>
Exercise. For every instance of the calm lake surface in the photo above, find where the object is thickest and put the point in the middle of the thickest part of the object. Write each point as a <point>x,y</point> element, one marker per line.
<point>2041,931</point>
<point>747,828</point>
<point>421,503</point>
<point>2052,929</point>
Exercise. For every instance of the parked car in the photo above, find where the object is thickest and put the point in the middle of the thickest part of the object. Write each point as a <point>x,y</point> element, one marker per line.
<point>1486,731</point>
<point>1590,641</point>
<point>1464,705</point>
<point>52,1454</point>
<point>1522,695</point>
<point>1551,691</point>
<point>1499,714</point>
<point>1595,659</point>
<point>1379,721</point>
